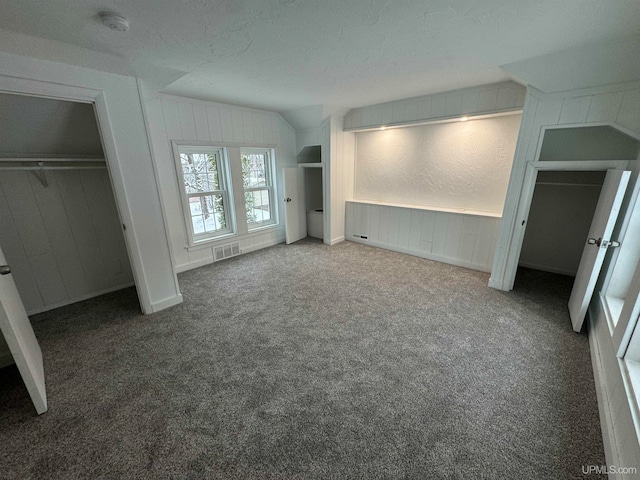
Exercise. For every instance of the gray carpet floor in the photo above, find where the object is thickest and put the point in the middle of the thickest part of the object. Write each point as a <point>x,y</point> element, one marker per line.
<point>308,361</point>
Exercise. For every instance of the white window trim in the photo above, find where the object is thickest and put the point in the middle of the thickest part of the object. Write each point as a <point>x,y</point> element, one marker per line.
<point>194,239</point>
<point>625,328</point>
<point>270,187</point>
<point>617,309</point>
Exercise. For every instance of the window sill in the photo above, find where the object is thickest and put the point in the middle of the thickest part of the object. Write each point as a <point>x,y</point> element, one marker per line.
<point>613,309</point>
<point>231,237</point>
<point>261,228</point>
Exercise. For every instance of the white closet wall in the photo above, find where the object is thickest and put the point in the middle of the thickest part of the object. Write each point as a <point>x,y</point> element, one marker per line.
<point>63,241</point>
<point>559,219</point>
<point>61,232</point>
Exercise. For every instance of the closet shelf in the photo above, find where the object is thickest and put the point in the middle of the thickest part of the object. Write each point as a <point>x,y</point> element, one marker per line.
<point>39,165</point>
<point>52,163</point>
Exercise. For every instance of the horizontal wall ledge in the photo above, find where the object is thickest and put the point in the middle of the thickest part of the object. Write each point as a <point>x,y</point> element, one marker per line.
<point>447,106</point>
<point>430,208</point>
<point>434,121</point>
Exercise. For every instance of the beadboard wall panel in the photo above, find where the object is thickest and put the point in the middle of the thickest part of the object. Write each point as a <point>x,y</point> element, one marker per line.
<point>341,165</point>
<point>64,242</point>
<point>181,119</point>
<point>456,238</point>
<point>482,100</point>
<point>308,136</point>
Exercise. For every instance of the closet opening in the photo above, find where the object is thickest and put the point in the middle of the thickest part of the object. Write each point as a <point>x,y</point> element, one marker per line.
<point>61,230</point>
<point>570,208</point>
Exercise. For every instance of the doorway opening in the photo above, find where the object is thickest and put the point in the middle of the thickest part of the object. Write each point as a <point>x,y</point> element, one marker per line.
<point>306,199</point>
<point>561,212</point>
<point>314,201</point>
<point>62,234</point>
<point>570,194</point>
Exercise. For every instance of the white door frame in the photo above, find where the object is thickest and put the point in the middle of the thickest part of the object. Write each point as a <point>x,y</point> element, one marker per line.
<point>526,197</point>
<point>37,88</point>
<point>326,222</point>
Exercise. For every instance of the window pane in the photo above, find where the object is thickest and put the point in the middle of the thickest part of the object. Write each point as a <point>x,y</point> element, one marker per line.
<point>254,169</point>
<point>257,205</point>
<point>207,214</point>
<point>198,224</point>
<point>199,162</point>
<point>190,183</point>
<point>214,183</point>
<point>194,206</point>
<point>193,162</point>
<point>204,171</point>
<point>200,172</point>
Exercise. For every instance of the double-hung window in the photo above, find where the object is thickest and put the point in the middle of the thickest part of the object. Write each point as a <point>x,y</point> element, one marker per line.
<point>204,174</point>
<point>257,179</point>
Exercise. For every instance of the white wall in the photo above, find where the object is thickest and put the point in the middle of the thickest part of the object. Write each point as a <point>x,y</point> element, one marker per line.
<point>447,177</point>
<point>182,119</point>
<point>481,100</point>
<point>458,239</point>
<point>308,136</point>
<point>34,125</point>
<point>129,159</point>
<point>313,191</point>
<point>559,220</point>
<point>457,165</point>
<point>338,152</point>
<point>64,241</point>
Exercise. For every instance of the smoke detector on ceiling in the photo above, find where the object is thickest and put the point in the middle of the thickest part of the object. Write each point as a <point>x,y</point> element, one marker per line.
<point>114,21</point>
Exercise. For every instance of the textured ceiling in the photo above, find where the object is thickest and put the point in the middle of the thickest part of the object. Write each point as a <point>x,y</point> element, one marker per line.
<point>288,54</point>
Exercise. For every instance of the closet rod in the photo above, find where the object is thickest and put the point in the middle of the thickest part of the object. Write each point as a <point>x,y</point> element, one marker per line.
<point>60,167</point>
<point>50,159</point>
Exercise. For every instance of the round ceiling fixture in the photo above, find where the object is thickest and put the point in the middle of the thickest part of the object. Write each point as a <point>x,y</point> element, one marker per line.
<point>114,21</point>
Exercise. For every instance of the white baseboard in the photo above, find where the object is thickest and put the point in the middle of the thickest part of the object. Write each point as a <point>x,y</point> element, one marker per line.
<point>336,240</point>
<point>190,266</point>
<point>262,245</point>
<point>416,253</point>
<point>547,268</point>
<point>207,261</point>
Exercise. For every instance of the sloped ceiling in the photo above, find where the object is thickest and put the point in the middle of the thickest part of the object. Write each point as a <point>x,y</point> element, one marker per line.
<point>33,125</point>
<point>290,54</point>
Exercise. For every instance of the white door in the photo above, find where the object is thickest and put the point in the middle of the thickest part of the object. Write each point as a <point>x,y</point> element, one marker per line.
<point>595,248</point>
<point>295,218</point>
<point>17,331</point>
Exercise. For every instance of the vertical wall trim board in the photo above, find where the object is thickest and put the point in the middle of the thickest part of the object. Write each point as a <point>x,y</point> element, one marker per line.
<point>154,164</point>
